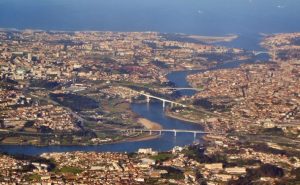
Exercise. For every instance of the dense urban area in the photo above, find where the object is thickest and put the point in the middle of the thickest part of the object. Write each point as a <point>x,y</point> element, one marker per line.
<point>76,88</point>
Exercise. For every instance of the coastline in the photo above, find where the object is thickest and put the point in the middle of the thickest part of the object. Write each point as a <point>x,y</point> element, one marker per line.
<point>133,139</point>
<point>214,39</point>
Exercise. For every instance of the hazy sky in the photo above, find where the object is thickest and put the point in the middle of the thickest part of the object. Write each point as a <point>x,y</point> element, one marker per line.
<point>189,16</point>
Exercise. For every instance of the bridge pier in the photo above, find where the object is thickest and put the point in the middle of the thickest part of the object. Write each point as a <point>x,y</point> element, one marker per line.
<point>164,101</point>
<point>160,131</point>
<point>148,99</point>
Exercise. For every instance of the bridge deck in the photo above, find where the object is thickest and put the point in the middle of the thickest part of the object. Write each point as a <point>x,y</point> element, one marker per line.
<point>181,88</point>
<point>162,99</point>
<point>167,130</point>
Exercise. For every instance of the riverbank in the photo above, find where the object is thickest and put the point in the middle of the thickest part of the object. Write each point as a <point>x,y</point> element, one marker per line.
<point>149,124</point>
<point>143,137</point>
<point>145,123</point>
<point>168,114</point>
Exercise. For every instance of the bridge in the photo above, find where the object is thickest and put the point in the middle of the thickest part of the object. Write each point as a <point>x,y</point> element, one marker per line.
<point>181,88</point>
<point>160,131</point>
<point>148,96</point>
<point>260,52</point>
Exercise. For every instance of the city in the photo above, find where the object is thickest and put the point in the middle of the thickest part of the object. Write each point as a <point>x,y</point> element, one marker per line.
<point>82,105</point>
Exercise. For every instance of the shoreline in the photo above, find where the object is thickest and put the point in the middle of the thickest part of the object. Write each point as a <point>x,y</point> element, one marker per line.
<point>138,138</point>
<point>133,139</point>
<point>167,113</point>
<point>214,39</point>
<point>150,125</point>
<point>142,121</point>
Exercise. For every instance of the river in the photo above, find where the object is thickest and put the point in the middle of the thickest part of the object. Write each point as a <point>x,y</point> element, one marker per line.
<point>152,111</point>
<point>246,18</point>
